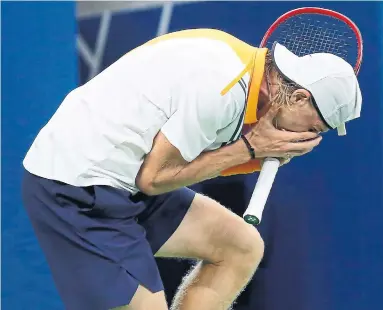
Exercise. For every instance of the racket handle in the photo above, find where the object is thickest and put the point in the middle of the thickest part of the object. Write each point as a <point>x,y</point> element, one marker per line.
<point>253,213</point>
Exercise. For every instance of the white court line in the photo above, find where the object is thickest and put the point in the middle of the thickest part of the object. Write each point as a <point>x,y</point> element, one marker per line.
<point>100,43</point>
<point>94,58</point>
<point>84,50</point>
<point>166,16</point>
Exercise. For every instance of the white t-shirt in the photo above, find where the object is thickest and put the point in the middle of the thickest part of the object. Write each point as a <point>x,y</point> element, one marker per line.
<point>102,131</point>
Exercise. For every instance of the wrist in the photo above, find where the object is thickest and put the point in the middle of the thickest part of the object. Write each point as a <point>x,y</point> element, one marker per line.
<point>240,151</point>
<point>251,138</point>
<point>249,147</point>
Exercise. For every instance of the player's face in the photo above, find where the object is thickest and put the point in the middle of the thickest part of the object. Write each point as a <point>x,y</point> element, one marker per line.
<point>301,115</point>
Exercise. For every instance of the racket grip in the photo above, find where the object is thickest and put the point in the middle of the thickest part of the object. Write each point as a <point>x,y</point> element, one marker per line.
<point>253,213</point>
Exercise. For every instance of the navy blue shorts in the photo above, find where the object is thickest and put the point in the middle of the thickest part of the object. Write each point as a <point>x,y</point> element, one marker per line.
<point>100,241</point>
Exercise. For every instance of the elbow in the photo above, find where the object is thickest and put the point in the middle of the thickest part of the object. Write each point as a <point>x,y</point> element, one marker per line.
<point>148,189</point>
<point>147,185</point>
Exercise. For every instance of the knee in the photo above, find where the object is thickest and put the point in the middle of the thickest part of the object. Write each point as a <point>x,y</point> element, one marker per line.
<point>246,248</point>
<point>249,244</point>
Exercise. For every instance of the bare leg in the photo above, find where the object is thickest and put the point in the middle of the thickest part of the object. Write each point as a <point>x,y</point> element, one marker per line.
<point>230,251</point>
<point>145,300</point>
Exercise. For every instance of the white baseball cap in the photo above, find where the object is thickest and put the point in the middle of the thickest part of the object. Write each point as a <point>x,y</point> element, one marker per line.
<point>330,80</point>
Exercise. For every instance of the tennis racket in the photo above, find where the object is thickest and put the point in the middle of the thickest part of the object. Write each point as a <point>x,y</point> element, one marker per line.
<point>305,31</point>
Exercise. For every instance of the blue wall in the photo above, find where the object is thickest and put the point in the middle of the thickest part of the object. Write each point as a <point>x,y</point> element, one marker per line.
<point>39,67</point>
<point>322,226</point>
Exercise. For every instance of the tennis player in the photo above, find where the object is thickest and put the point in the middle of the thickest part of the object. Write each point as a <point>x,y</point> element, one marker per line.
<point>105,178</point>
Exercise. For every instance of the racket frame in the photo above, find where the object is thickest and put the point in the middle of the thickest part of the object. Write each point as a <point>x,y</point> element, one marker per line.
<point>320,11</point>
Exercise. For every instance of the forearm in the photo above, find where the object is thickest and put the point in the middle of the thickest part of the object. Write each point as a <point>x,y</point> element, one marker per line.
<point>206,166</point>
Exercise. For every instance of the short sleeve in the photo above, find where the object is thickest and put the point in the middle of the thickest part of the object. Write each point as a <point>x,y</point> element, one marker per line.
<point>201,112</point>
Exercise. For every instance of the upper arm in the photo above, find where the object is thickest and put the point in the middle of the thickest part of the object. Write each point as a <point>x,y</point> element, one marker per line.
<point>202,111</point>
<point>163,157</point>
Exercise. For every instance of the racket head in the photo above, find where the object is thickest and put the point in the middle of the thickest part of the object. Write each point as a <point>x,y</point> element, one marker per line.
<point>312,30</point>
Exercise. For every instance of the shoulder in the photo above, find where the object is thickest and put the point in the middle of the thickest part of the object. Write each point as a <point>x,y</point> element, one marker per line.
<point>203,90</point>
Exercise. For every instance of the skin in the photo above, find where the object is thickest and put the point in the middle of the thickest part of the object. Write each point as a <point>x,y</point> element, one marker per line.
<point>301,116</point>
<point>227,249</point>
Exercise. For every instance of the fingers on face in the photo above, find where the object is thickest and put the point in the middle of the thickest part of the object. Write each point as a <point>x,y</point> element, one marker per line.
<point>302,136</point>
<point>297,149</point>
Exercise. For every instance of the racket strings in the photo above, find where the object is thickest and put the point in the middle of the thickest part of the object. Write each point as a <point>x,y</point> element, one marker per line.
<point>306,35</point>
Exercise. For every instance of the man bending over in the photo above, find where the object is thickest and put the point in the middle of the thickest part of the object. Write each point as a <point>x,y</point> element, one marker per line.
<point>105,181</point>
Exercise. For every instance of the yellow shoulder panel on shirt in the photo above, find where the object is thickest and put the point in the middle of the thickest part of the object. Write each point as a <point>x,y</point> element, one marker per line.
<point>253,59</point>
<point>243,50</point>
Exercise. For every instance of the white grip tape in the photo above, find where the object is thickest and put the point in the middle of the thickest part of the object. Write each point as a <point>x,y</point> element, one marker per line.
<point>262,188</point>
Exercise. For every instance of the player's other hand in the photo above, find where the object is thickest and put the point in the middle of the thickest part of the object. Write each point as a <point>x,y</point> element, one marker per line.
<point>268,141</point>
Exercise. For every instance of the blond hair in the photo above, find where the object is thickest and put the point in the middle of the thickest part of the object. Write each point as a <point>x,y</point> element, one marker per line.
<point>285,87</point>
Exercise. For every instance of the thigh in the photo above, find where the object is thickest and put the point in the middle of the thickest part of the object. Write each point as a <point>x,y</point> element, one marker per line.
<point>207,230</point>
<point>164,214</point>
<point>145,300</point>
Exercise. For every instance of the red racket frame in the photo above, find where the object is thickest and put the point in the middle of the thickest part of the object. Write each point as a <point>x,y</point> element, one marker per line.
<point>314,10</point>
